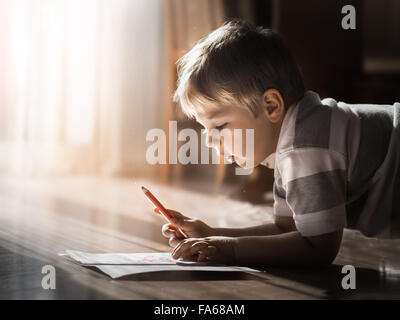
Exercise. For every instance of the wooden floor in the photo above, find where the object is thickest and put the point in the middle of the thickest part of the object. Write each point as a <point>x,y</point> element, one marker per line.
<point>42,217</point>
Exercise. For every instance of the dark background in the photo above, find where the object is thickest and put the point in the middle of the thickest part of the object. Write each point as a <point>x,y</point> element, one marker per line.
<point>354,66</point>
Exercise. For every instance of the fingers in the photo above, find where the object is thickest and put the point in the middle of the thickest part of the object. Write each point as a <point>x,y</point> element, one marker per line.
<point>169,230</point>
<point>181,247</point>
<point>177,218</point>
<point>188,248</point>
<point>208,254</point>
<point>174,241</point>
<point>176,215</point>
<point>194,249</point>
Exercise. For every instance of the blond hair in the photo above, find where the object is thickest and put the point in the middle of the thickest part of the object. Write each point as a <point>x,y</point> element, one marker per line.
<point>237,63</point>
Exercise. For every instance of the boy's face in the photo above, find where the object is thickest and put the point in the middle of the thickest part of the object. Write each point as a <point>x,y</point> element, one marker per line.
<point>228,118</point>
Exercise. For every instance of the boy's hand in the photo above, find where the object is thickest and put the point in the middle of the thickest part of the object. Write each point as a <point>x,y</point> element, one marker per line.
<point>216,249</point>
<point>192,227</point>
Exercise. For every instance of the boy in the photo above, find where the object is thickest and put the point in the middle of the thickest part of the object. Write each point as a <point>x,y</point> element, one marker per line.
<point>336,165</point>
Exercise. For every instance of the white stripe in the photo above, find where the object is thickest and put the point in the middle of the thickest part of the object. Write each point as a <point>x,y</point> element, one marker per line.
<point>304,162</point>
<point>281,208</point>
<point>321,222</point>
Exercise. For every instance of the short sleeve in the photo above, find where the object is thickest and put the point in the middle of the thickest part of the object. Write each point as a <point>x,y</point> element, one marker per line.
<point>281,207</point>
<point>314,181</point>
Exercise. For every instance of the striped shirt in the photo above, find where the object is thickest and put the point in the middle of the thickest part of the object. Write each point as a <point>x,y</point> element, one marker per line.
<point>338,165</point>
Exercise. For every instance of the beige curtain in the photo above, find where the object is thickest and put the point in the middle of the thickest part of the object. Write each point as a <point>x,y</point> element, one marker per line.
<point>81,82</point>
<point>192,20</point>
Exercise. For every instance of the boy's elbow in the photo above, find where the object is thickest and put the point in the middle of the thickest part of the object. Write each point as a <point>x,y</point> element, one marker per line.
<point>325,247</point>
<point>325,260</point>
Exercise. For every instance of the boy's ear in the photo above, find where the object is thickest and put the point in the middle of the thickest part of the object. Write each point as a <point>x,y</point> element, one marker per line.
<point>272,105</point>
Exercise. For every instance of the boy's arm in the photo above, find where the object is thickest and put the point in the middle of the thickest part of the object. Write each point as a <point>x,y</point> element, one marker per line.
<point>313,185</point>
<point>283,220</point>
<point>288,249</point>
<point>197,229</point>
<point>282,224</point>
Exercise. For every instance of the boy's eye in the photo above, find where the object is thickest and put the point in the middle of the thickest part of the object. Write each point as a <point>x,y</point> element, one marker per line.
<point>221,126</point>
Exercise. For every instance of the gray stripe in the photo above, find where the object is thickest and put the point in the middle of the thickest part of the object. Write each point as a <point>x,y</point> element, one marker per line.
<point>317,192</point>
<point>376,128</point>
<point>395,223</point>
<point>352,130</point>
<point>303,162</point>
<point>339,127</point>
<point>313,126</point>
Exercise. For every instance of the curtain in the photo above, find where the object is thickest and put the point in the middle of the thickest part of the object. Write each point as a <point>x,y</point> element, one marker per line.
<point>81,82</point>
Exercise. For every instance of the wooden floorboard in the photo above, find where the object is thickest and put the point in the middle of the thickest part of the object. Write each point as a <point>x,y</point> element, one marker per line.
<point>41,217</point>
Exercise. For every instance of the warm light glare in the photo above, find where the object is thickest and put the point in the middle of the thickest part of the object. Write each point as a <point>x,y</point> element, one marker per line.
<point>80,83</point>
<point>54,51</point>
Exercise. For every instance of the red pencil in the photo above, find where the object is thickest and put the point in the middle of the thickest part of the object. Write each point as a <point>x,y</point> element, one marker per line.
<point>161,208</point>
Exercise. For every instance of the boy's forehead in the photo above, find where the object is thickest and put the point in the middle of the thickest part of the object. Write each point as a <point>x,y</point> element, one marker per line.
<point>210,113</point>
<point>211,110</point>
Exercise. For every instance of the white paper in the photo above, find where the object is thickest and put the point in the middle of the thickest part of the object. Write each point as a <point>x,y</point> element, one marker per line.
<point>117,271</point>
<point>121,258</point>
<point>117,265</point>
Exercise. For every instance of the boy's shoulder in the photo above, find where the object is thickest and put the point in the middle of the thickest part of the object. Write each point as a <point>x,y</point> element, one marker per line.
<point>312,123</point>
<point>308,144</point>
<point>330,125</point>
<point>324,135</point>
